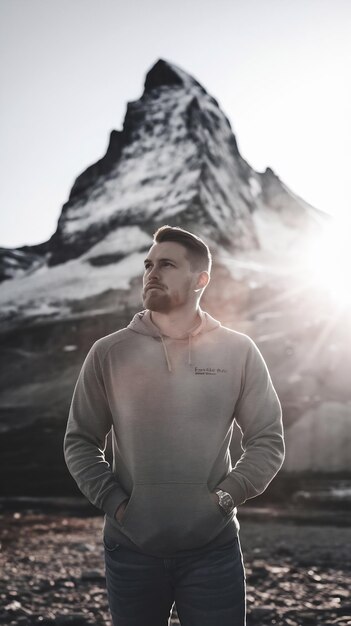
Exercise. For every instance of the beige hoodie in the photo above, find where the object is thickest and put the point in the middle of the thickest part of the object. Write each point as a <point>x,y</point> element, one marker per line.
<point>171,404</point>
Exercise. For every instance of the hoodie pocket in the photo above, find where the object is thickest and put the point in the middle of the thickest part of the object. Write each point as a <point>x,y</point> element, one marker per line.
<point>166,517</point>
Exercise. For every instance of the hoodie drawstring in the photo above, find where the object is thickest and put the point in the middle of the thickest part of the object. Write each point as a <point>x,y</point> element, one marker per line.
<point>189,349</point>
<point>166,354</point>
<point>169,365</point>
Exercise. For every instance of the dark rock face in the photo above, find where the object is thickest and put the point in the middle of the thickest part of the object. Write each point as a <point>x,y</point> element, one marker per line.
<point>162,74</point>
<point>175,161</point>
<point>101,168</point>
<point>18,262</point>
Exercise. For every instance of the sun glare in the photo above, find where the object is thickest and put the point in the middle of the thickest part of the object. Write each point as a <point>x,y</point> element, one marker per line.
<point>328,262</point>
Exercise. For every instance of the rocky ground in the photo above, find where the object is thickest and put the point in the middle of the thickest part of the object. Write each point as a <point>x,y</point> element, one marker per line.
<point>53,571</point>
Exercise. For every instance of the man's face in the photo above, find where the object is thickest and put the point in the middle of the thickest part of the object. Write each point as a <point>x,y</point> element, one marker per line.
<point>168,281</point>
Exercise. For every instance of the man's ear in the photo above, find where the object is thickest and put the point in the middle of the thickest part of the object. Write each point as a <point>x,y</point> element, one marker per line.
<point>202,281</point>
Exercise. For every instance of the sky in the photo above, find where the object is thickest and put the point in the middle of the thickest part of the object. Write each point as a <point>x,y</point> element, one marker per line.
<point>280,70</point>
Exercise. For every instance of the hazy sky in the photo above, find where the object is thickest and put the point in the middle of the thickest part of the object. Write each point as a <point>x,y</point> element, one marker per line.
<point>280,70</point>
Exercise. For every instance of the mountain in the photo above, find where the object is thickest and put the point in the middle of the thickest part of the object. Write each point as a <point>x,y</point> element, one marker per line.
<point>175,161</point>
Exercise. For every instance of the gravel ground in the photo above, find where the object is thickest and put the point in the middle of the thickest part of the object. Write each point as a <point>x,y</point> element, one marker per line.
<point>53,572</point>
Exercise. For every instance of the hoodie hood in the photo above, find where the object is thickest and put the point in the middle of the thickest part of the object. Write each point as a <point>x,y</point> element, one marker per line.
<point>143,324</point>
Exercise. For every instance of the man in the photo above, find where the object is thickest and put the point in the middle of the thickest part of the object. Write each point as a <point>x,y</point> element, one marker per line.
<point>170,386</point>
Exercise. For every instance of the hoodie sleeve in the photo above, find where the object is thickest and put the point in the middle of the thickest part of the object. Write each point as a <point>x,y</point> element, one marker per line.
<point>259,416</point>
<point>89,422</point>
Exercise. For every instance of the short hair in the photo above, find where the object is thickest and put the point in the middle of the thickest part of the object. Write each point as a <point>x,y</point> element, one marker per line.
<point>199,254</point>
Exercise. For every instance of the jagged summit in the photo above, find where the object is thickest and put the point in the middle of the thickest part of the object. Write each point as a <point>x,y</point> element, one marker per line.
<point>175,159</point>
<point>161,74</point>
<point>166,74</point>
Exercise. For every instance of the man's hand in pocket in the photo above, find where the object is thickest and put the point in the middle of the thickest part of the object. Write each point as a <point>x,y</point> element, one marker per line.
<point>120,511</point>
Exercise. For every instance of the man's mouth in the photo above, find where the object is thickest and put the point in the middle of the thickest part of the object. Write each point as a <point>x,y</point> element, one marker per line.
<point>148,287</point>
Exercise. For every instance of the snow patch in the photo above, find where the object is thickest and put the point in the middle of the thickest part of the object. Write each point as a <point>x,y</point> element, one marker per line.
<point>50,290</point>
<point>255,186</point>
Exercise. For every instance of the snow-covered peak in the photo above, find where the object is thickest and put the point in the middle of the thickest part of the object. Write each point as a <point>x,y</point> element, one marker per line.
<point>164,73</point>
<point>175,161</point>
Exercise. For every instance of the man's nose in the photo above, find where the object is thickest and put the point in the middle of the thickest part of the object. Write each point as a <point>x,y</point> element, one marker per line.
<point>154,273</point>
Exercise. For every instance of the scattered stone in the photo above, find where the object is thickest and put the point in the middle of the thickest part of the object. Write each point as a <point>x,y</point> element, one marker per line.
<point>54,583</point>
<point>308,618</point>
<point>261,612</point>
<point>73,619</point>
<point>84,547</point>
<point>93,575</point>
<point>13,606</point>
<point>283,550</point>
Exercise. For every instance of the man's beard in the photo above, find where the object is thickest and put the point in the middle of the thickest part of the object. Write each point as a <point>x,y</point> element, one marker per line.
<point>157,301</point>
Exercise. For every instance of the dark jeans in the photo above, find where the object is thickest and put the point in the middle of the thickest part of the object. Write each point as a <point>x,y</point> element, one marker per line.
<point>208,589</point>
